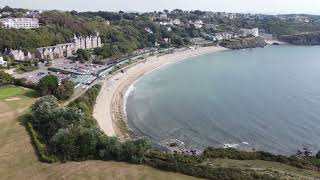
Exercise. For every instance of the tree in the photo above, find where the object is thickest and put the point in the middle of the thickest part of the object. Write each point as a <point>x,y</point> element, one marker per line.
<point>5,78</point>
<point>135,151</point>
<point>83,55</point>
<point>76,143</point>
<point>47,117</point>
<point>42,110</point>
<point>65,90</point>
<point>48,85</point>
<point>318,155</point>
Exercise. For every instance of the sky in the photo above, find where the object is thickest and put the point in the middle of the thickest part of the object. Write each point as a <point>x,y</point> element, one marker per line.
<point>246,6</point>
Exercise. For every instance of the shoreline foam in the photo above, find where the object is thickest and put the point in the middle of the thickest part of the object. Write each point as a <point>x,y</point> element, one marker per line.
<point>110,106</point>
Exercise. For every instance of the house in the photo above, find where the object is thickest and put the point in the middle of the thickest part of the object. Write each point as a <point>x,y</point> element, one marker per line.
<point>20,23</point>
<point>198,24</point>
<point>33,14</point>
<point>176,22</point>
<point>167,40</point>
<point>148,30</point>
<point>163,16</point>
<point>68,49</point>
<point>210,26</point>
<point>222,36</point>
<point>2,62</point>
<point>16,55</point>
<point>27,55</point>
<point>249,32</point>
<point>19,55</point>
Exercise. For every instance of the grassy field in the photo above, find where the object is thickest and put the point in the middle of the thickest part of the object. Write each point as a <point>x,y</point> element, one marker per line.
<point>11,91</point>
<point>18,159</point>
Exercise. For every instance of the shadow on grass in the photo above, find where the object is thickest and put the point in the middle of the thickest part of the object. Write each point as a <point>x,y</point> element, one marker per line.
<point>32,94</point>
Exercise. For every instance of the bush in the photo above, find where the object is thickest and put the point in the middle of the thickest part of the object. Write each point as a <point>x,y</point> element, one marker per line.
<point>23,82</point>
<point>48,117</point>
<point>48,85</point>
<point>40,148</point>
<point>5,78</point>
<point>83,55</point>
<point>87,101</point>
<point>318,155</point>
<point>75,143</point>
<point>230,153</point>
<point>65,90</point>
<point>28,68</point>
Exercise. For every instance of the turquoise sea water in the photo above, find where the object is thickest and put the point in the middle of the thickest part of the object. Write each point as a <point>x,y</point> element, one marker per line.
<point>265,98</point>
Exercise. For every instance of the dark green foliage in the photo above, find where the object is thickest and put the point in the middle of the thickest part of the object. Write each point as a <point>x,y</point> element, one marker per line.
<point>40,148</point>
<point>77,143</point>
<point>87,101</point>
<point>5,78</point>
<point>110,149</point>
<point>318,155</point>
<point>135,151</point>
<point>28,68</point>
<point>48,85</point>
<point>23,82</point>
<point>27,39</point>
<point>65,90</point>
<point>48,117</point>
<point>83,55</point>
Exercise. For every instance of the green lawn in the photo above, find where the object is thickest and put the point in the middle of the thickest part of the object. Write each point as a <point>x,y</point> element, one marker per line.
<point>11,91</point>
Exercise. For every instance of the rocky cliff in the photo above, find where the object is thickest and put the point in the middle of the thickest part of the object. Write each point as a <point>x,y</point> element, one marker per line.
<point>243,43</point>
<point>310,39</point>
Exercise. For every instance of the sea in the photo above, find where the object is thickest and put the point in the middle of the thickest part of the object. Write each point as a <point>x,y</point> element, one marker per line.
<point>262,99</point>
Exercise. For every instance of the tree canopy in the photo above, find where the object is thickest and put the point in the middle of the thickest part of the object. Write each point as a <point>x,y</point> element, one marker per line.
<point>48,85</point>
<point>83,55</point>
<point>65,90</point>
<point>5,78</point>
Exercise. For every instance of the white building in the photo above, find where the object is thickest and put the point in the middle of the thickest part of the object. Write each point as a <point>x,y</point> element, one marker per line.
<point>247,32</point>
<point>18,55</point>
<point>20,23</point>
<point>2,62</point>
<point>198,24</point>
<point>176,22</point>
<point>148,30</point>
<point>163,16</point>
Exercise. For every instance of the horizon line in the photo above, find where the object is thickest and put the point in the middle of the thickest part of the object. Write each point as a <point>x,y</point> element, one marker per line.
<point>148,11</point>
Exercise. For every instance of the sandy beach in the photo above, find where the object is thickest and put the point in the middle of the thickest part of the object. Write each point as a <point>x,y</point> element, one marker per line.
<point>109,110</point>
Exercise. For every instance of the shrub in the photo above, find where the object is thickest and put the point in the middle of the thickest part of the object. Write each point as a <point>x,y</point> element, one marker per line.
<point>40,148</point>
<point>23,82</point>
<point>48,85</point>
<point>65,90</point>
<point>5,78</point>
<point>230,153</point>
